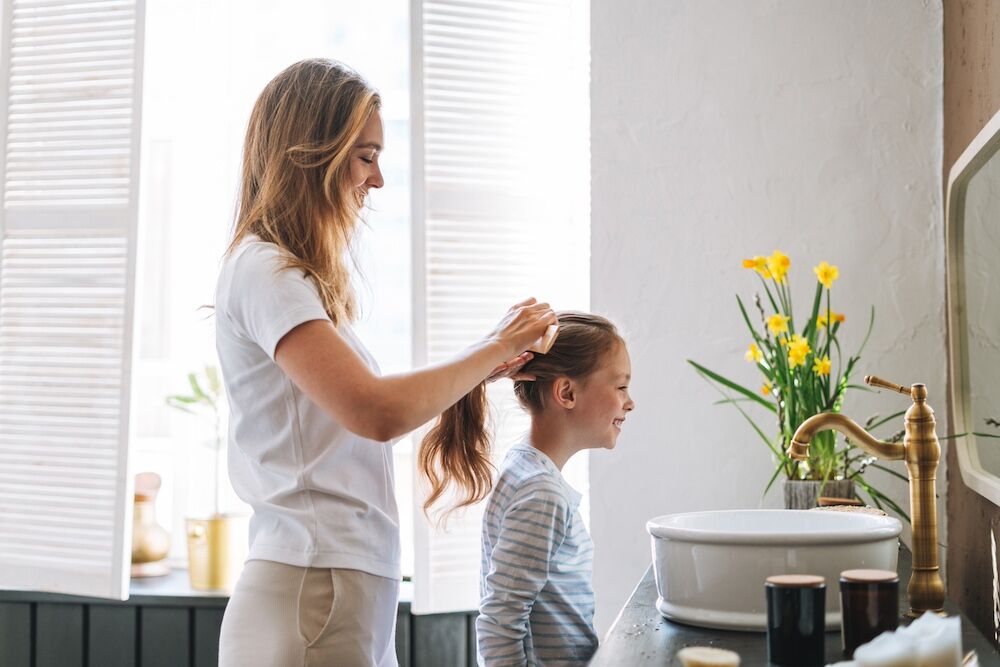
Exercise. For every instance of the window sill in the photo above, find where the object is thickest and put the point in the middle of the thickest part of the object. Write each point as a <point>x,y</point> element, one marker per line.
<point>172,590</point>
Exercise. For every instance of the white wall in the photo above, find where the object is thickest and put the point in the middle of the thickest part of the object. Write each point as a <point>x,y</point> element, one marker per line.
<point>723,130</point>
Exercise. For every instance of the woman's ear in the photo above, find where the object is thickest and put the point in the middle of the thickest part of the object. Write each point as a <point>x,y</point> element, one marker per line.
<point>564,392</point>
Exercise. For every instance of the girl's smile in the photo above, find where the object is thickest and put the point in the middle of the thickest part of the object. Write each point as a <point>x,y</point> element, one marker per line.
<point>603,400</point>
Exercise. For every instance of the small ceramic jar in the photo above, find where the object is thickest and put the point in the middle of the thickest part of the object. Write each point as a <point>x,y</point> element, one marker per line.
<point>869,605</point>
<point>796,619</point>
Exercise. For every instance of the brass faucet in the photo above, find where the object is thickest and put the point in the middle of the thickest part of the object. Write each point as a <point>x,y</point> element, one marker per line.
<point>921,451</point>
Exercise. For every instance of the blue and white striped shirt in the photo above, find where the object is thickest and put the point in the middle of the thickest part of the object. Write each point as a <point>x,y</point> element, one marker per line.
<point>537,603</point>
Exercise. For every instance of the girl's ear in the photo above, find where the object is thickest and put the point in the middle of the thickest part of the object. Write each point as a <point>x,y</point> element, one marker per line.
<point>564,393</point>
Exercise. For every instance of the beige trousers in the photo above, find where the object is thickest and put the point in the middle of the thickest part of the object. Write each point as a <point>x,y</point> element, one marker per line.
<point>286,616</point>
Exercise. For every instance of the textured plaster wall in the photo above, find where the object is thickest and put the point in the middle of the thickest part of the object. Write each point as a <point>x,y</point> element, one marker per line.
<point>971,97</point>
<point>722,130</point>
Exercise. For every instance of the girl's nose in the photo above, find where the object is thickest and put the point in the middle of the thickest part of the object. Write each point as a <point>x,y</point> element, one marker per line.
<point>376,180</point>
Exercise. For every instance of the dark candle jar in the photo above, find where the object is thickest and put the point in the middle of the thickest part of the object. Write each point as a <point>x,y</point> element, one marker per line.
<point>869,606</point>
<point>796,619</point>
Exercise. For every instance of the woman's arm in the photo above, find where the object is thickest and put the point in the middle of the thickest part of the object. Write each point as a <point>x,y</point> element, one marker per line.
<point>325,367</point>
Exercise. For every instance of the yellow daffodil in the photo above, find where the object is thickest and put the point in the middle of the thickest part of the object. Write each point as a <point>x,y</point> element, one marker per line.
<point>821,320</point>
<point>766,388</point>
<point>821,366</point>
<point>826,274</point>
<point>758,264</point>
<point>798,350</point>
<point>777,265</point>
<point>753,353</point>
<point>777,324</point>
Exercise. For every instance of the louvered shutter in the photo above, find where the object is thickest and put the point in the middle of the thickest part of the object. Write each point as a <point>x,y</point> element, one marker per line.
<point>501,208</point>
<point>71,106</point>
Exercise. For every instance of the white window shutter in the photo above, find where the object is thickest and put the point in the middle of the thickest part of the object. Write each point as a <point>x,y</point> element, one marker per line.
<point>500,117</point>
<point>71,93</point>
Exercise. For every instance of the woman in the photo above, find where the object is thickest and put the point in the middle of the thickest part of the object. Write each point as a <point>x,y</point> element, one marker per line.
<point>311,419</point>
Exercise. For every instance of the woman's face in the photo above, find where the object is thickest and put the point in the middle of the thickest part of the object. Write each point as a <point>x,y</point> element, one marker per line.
<point>365,172</point>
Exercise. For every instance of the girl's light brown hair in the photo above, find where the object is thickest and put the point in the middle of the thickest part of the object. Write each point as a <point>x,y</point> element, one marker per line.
<point>295,189</point>
<point>456,451</point>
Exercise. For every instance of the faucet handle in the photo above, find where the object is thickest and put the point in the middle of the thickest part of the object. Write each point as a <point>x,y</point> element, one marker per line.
<point>885,384</point>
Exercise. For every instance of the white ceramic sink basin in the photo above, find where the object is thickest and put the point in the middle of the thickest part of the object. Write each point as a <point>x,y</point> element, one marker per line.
<point>710,567</point>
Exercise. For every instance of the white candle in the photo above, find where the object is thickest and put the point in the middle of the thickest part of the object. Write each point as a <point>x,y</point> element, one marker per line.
<point>706,656</point>
<point>938,640</point>
<point>889,649</point>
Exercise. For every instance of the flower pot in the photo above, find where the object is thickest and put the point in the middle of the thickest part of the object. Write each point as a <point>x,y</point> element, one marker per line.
<point>801,494</point>
<point>217,547</point>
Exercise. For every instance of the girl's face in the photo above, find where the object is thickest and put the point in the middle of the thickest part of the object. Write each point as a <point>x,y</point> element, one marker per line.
<point>603,400</point>
<point>365,172</point>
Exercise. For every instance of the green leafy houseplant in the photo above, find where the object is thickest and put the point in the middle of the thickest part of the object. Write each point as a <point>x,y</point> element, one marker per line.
<point>206,400</point>
<point>798,381</point>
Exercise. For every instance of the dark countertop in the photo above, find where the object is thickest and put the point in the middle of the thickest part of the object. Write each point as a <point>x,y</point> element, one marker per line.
<point>640,636</point>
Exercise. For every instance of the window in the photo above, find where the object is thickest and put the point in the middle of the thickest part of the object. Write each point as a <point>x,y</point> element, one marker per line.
<point>501,209</point>
<point>196,104</point>
<point>486,201</point>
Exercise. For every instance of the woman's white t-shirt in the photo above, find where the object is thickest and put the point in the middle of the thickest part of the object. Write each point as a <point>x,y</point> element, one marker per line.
<point>321,495</point>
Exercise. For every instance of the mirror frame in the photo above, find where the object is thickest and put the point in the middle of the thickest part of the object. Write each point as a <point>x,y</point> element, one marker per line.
<point>973,158</point>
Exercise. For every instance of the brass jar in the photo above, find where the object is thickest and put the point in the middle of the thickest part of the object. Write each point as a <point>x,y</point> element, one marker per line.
<point>217,547</point>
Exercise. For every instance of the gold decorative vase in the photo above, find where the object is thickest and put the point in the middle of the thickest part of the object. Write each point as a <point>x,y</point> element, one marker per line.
<point>150,541</point>
<point>217,547</point>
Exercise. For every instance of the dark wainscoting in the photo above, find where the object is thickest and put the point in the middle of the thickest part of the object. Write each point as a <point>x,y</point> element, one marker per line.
<point>166,624</point>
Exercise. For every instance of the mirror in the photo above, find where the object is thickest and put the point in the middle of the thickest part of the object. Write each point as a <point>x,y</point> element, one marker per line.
<point>972,232</point>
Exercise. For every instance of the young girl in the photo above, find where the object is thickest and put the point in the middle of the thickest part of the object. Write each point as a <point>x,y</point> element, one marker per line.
<point>537,603</point>
<point>312,421</point>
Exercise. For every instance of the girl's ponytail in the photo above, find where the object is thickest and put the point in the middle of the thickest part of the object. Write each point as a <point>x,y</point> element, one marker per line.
<point>457,451</point>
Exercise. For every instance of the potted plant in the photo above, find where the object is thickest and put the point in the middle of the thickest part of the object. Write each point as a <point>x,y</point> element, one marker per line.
<point>217,543</point>
<point>796,361</point>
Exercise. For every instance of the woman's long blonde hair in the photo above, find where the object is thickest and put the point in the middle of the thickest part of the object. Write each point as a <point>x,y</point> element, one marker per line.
<point>295,189</point>
<point>456,451</point>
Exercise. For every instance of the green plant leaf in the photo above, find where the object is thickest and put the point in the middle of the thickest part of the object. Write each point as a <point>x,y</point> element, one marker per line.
<point>952,436</point>
<point>884,420</point>
<point>214,381</point>
<point>767,441</point>
<point>753,424</point>
<point>877,497</point>
<point>811,325</point>
<point>892,472</point>
<point>732,385</point>
<point>871,324</point>
<point>767,291</point>
<point>182,408</point>
<point>778,469</point>
<point>746,318</point>
<point>732,400</point>
<point>196,387</point>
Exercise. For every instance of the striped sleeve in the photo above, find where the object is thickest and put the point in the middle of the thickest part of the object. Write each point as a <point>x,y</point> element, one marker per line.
<point>530,532</point>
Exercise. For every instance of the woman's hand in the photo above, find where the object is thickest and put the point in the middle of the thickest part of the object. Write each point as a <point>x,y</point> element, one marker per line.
<point>510,369</point>
<point>523,324</point>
